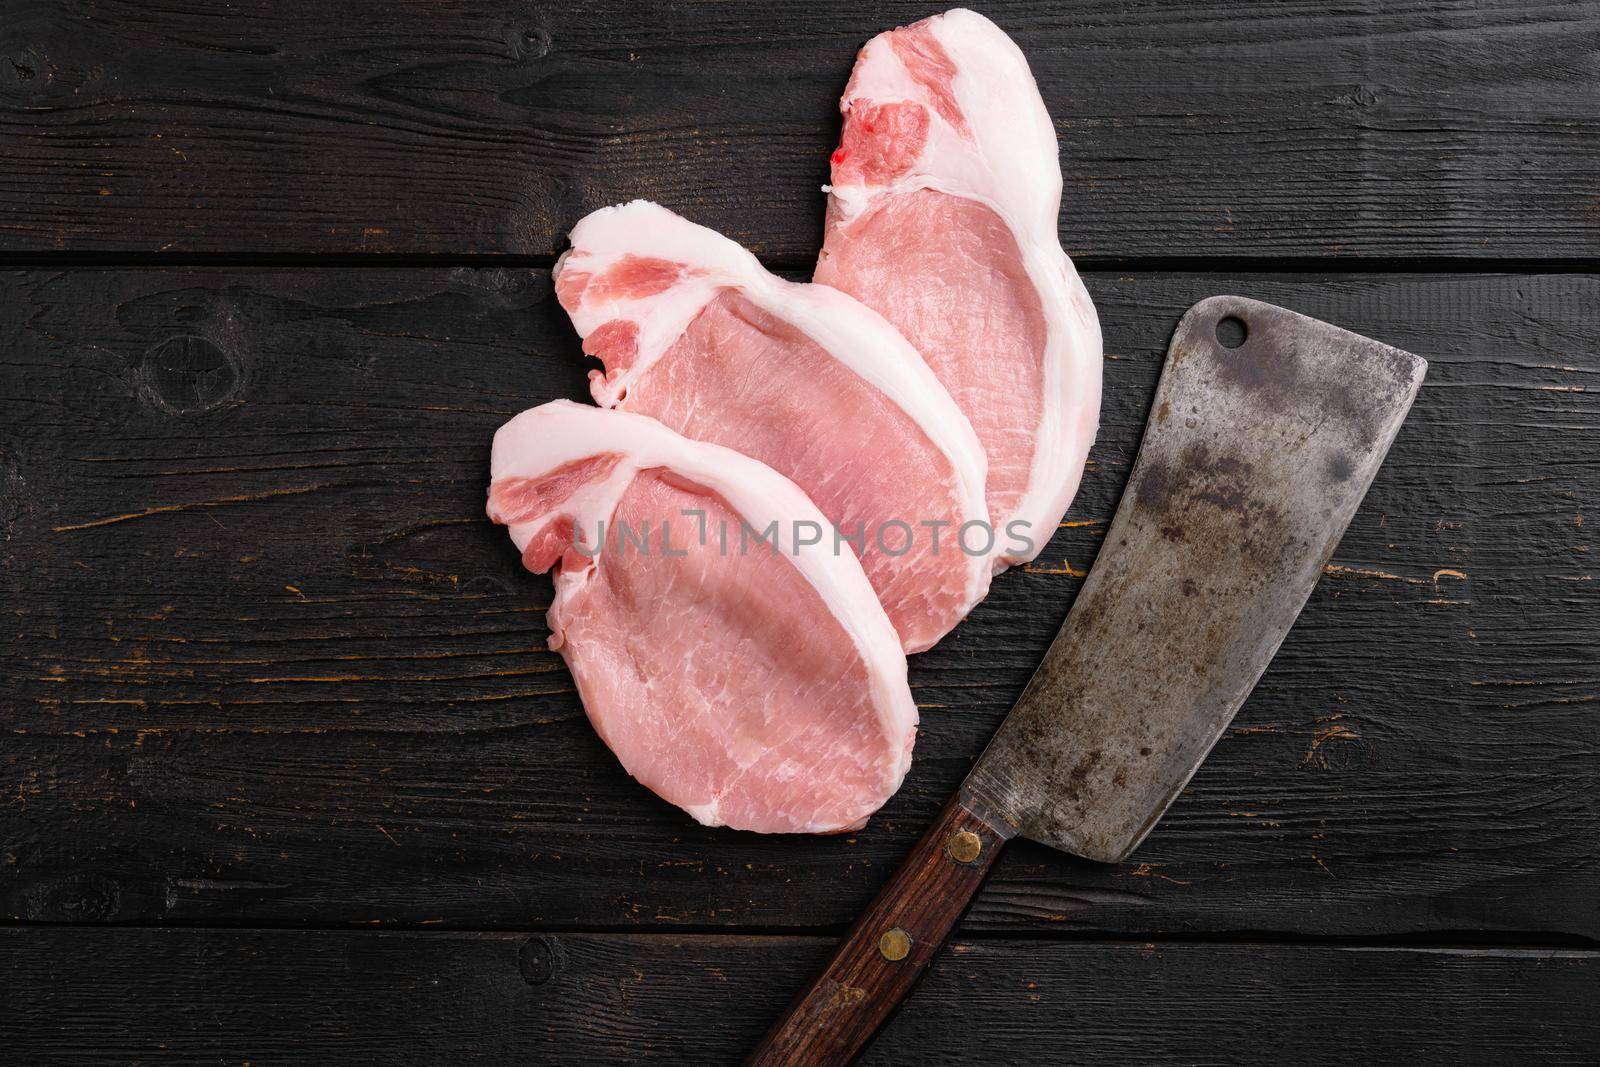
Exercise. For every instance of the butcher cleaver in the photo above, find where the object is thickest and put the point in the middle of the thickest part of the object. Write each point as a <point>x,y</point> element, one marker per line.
<point>1266,430</point>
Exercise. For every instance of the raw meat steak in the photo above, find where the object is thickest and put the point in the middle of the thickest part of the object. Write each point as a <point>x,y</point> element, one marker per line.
<point>694,332</point>
<point>942,216</point>
<point>749,679</point>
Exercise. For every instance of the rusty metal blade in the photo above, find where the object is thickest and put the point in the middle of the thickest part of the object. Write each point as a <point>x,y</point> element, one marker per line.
<point>1253,464</point>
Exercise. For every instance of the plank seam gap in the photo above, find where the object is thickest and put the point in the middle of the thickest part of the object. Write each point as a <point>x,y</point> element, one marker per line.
<point>1439,941</point>
<point>1086,264</point>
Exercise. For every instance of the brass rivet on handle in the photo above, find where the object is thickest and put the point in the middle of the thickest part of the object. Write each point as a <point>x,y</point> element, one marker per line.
<point>964,846</point>
<point>894,945</point>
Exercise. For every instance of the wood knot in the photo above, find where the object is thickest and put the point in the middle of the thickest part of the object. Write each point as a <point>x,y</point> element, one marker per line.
<point>538,960</point>
<point>1363,96</point>
<point>529,41</point>
<point>1336,746</point>
<point>188,374</point>
<point>26,69</point>
<point>74,898</point>
<point>536,42</point>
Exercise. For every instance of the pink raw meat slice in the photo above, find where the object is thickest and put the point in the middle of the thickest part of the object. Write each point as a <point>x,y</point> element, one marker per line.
<point>942,216</point>
<point>694,332</point>
<point>752,680</point>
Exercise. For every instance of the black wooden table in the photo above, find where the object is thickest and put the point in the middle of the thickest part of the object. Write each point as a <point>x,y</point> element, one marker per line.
<point>287,773</point>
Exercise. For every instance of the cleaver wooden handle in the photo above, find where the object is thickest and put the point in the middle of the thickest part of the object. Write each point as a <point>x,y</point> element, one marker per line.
<point>890,945</point>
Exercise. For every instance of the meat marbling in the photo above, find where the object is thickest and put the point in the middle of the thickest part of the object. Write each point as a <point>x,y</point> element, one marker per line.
<point>942,216</point>
<point>754,683</point>
<point>694,332</point>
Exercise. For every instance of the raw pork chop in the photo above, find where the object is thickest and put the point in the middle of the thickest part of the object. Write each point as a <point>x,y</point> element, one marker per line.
<point>942,216</point>
<point>753,681</point>
<point>694,332</point>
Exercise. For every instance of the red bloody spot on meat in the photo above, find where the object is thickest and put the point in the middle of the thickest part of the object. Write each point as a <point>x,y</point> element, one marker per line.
<point>881,142</point>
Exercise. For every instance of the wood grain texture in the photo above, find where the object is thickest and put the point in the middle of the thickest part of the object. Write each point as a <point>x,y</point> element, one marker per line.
<point>270,996</point>
<point>266,662</point>
<point>1455,128</point>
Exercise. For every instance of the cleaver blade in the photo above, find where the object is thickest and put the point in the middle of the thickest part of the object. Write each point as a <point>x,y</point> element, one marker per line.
<point>1253,463</point>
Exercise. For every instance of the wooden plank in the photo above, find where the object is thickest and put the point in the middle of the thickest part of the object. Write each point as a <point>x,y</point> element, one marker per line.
<point>265,662</point>
<point>83,996</point>
<point>1458,128</point>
